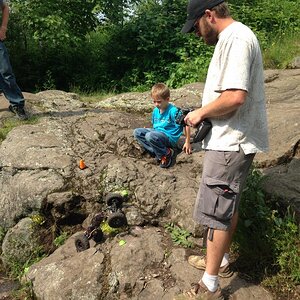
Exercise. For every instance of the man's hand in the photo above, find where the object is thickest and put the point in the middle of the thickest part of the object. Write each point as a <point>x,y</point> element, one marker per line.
<point>224,106</point>
<point>194,118</point>
<point>2,33</point>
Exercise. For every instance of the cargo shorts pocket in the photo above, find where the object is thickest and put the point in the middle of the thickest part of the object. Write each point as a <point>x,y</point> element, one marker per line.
<point>219,199</point>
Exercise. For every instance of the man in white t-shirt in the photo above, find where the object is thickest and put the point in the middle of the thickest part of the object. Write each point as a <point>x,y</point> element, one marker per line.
<point>234,102</point>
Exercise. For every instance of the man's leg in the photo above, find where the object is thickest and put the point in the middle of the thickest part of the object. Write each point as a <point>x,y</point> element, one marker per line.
<point>200,261</point>
<point>217,204</point>
<point>232,229</point>
<point>215,250</point>
<point>8,81</point>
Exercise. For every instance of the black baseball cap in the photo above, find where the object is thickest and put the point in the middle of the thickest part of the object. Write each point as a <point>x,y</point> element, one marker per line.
<point>195,10</point>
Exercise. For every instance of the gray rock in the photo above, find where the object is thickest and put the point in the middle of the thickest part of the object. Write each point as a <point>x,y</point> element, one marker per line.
<point>142,268</point>
<point>21,244</point>
<point>66,274</point>
<point>282,183</point>
<point>295,64</point>
<point>25,192</point>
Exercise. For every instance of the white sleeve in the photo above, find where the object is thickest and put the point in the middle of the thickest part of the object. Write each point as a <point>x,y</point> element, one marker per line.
<point>235,64</point>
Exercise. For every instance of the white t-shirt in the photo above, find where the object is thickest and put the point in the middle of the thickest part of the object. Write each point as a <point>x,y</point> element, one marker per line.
<point>237,64</point>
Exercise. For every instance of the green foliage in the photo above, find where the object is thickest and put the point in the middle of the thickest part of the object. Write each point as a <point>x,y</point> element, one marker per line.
<point>55,22</point>
<point>286,238</point>
<point>254,221</point>
<point>108,230</point>
<point>281,51</point>
<point>128,45</point>
<point>60,240</point>
<point>37,219</point>
<point>179,235</point>
<point>192,67</point>
<point>266,241</point>
<point>6,128</point>
<point>156,32</point>
<point>280,18</point>
<point>8,124</point>
<point>24,293</point>
<point>92,97</point>
<point>116,11</point>
<point>49,83</point>
<point>18,268</point>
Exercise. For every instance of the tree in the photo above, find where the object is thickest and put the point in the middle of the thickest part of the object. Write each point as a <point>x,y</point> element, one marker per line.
<point>116,12</point>
<point>57,21</point>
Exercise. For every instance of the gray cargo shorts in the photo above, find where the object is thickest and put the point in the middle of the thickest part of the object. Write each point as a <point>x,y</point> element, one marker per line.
<point>223,178</point>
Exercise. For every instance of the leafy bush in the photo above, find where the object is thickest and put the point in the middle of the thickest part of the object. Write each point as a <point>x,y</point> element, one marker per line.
<point>254,222</point>
<point>178,235</point>
<point>267,242</point>
<point>134,51</point>
<point>286,239</point>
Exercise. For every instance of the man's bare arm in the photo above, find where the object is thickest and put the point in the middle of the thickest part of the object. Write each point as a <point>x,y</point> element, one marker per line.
<point>5,17</point>
<point>228,102</point>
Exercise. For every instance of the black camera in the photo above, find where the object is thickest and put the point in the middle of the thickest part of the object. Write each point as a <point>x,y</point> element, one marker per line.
<point>181,114</point>
<point>202,128</point>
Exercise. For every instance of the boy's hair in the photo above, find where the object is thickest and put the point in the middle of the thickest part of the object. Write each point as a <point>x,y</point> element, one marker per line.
<point>222,10</point>
<point>160,90</point>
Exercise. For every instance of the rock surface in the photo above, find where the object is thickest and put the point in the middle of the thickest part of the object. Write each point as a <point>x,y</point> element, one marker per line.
<point>39,173</point>
<point>145,267</point>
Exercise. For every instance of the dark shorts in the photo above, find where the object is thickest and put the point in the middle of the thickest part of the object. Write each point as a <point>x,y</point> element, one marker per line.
<point>223,178</point>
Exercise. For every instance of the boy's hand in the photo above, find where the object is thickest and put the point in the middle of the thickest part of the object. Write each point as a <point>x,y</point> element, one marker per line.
<point>187,148</point>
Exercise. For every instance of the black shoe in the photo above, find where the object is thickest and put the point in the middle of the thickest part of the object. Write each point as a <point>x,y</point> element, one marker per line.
<point>19,111</point>
<point>167,160</point>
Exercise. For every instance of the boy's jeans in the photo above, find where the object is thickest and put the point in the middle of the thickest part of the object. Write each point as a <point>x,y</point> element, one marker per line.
<point>8,83</point>
<point>155,142</point>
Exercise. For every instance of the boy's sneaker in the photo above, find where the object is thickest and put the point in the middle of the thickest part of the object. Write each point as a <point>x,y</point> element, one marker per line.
<point>166,161</point>
<point>199,262</point>
<point>200,292</point>
<point>149,154</point>
<point>19,111</point>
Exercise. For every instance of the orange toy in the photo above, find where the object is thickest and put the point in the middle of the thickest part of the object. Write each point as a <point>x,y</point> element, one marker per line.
<point>82,164</point>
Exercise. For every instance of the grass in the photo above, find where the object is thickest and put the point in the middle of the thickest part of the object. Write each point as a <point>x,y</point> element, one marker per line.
<point>94,97</point>
<point>16,269</point>
<point>282,51</point>
<point>9,124</point>
<point>60,240</point>
<point>24,293</point>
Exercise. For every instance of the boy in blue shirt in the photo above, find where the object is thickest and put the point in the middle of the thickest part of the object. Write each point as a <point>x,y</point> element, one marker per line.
<point>161,140</point>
